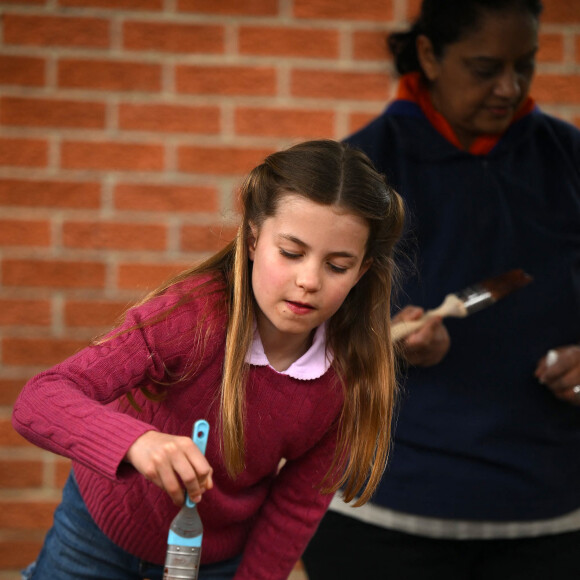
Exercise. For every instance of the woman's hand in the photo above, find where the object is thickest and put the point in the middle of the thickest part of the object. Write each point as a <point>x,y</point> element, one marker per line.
<point>428,345</point>
<point>559,370</point>
<point>169,460</point>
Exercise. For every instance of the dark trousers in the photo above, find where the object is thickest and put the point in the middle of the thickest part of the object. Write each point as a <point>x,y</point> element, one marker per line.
<point>347,549</point>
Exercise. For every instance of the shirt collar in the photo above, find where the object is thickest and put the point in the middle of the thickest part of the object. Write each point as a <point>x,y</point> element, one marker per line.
<point>311,365</point>
<point>412,88</point>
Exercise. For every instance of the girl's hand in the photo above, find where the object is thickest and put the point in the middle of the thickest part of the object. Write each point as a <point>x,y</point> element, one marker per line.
<point>169,460</point>
<point>559,370</point>
<point>428,345</point>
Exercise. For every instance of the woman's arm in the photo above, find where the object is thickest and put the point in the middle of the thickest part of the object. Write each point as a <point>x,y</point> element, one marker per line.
<point>426,346</point>
<point>559,370</point>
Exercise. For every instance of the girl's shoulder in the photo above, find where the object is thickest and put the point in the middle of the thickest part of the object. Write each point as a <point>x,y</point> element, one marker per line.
<point>198,300</point>
<point>189,316</point>
<point>200,292</point>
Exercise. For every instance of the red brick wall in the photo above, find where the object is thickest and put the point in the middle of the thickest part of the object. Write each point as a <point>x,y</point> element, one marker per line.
<point>125,127</point>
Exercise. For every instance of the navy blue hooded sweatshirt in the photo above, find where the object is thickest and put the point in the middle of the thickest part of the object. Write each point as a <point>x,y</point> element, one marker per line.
<point>477,437</point>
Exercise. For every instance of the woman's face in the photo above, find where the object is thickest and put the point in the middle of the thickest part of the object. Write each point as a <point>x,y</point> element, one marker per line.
<point>480,81</point>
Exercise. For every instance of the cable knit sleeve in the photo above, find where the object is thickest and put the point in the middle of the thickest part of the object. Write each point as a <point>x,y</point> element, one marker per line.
<point>70,409</point>
<point>290,516</point>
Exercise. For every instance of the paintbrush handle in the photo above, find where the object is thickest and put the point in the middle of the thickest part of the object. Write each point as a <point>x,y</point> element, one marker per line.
<point>199,436</point>
<point>451,306</point>
<point>186,532</point>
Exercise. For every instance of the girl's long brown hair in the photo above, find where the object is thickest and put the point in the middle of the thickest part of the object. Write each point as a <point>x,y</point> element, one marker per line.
<point>329,173</point>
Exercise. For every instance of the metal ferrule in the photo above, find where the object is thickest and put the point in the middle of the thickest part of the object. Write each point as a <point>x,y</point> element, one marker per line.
<point>476,299</point>
<point>181,563</point>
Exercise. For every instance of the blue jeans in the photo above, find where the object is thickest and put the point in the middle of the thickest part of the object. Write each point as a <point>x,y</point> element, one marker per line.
<point>75,548</point>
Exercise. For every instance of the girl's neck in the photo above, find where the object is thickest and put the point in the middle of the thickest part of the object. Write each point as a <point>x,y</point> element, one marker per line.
<point>282,350</point>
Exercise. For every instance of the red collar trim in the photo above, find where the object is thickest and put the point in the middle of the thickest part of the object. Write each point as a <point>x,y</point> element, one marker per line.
<point>411,88</point>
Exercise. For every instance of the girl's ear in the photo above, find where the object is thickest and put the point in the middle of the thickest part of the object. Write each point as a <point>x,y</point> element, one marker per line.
<point>252,239</point>
<point>363,268</point>
<point>427,58</point>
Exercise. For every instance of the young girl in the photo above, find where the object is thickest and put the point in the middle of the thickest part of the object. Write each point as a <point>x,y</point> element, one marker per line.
<point>281,341</point>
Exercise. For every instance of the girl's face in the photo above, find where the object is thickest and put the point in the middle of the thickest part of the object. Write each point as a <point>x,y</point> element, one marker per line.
<point>482,79</point>
<point>306,259</point>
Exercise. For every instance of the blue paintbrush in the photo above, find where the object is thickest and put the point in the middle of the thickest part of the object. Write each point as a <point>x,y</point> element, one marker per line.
<point>186,531</point>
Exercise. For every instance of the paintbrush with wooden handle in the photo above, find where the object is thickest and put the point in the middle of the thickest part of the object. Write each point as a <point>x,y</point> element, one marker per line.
<point>468,301</point>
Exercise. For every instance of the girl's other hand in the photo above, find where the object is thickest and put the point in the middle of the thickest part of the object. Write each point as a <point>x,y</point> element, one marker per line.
<point>428,345</point>
<point>559,370</point>
<point>169,460</point>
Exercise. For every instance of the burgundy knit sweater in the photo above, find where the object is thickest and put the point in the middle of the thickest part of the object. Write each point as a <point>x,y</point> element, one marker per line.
<point>78,409</point>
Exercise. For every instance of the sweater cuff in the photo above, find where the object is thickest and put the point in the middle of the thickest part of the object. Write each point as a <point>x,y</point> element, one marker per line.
<point>106,443</point>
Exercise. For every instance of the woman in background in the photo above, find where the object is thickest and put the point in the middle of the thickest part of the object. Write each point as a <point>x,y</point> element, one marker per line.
<point>484,480</point>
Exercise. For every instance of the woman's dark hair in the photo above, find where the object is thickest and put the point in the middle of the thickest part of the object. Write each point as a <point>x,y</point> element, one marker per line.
<point>446,21</point>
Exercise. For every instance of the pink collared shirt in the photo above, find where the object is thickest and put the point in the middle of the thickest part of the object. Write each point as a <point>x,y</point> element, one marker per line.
<point>311,365</point>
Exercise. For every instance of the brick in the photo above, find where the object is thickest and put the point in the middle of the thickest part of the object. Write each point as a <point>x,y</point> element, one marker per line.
<point>112,156</point>
<point>551,48</point>
<point>147,276</point>
<point>26,71</point>
<point>9,390</point>
<point>23,515</point>
<point>220,160</point>
<point>286,41</point>
<point>561,12</point>
<point>62,471</point>
<point>114,236</point>
<point>107,75</point>
<point>357,121</point>
<point>370,45</point>
<point>93,313</point>
<point>28,2</point>
<point>166,198</point>
<point>174,38</point>
<point>38,351</point>
<point>226,80</point>
<point>578,49</point>
<point>413,9</point>
<point>373,10</point>
<point>10,438</point>
<point>284,122</point>
<point>35,30</point>
<point>169,118</point>
<point>557,89</point>
<point>53,274</point>
<point>53,194</point>
<point>206,238</point>
<point>116,4</point>
<point>20,473</point>
<point>19,552</point>
<point>324,84</point>
<point>30,233</point>
<point>23,152</point>
<point>16,312</point>
<point>245,8</point>
<point>25,112</point>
